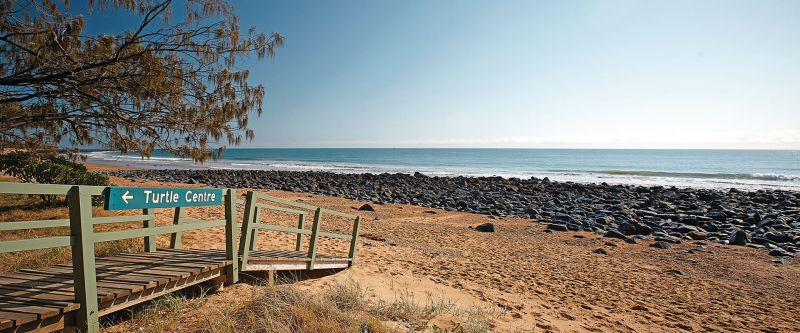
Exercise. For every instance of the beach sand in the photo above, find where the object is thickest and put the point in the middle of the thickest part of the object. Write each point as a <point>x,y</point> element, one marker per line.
<point>528,279</point>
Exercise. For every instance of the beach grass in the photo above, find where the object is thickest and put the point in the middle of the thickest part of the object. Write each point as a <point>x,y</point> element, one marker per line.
<point>344,307</point>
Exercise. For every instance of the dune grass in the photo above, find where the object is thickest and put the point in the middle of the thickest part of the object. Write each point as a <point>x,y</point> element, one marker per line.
<point>343,307</point>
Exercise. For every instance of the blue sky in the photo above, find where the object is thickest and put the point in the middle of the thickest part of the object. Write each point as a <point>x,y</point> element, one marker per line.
<point>604,74</point>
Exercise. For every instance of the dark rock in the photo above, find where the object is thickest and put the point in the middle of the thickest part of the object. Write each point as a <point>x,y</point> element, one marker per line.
<point>600,250</point>
<point>697,235</point>
<point>738,237</point>
<point>367,208</point>
<point>779,261</point>
<point>778,237</point>
<point>557,227</point>
<point>769,218</point>
<point>779,253</point>
<point>485,227</point>
<point>668,239</point>
<point>614,234</point>
<point>661,245</point>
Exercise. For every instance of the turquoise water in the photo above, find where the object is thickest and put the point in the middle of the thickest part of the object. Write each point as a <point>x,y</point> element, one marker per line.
<point>751,169</point>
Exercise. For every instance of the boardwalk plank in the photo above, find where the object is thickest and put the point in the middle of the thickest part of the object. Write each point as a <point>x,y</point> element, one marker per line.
<point>17,318</point>
<point>41,311</point>
<point>31,295</point>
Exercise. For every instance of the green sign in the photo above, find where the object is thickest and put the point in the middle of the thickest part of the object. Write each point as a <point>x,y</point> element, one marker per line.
<point>119,198</point>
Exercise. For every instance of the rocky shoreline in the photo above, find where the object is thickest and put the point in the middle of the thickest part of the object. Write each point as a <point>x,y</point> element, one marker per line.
<point>768,219</point>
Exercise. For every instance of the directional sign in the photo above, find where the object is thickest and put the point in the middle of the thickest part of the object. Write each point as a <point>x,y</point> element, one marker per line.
<point>119,198</point>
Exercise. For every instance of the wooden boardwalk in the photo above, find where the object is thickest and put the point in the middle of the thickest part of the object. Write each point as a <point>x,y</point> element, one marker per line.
<point>43,299</point>
<point>49,299</point>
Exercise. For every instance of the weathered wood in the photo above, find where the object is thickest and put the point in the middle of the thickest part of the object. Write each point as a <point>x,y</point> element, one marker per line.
<point>52,298</point>
<point>149,222</point>
<point>48,189</point>
<point>170,229</point>
<point>131,278</point>
<point>301,232</point>
<point>281,209</point>
<point>40,224</point>
<point>232,271</point>
<point>247,221</point>
<point>119,219</point>
<point>312,245</point>
<point>81,227</point>
<point>255,229</point>
<point>35,243</point>
<point>16,318</point>
<point>340,214</point>
<point>40,311</point>
<point>354,242</point>
<point>175,238</point>
<point>301,224</point>
<point>278,228</point>
<point>286,202</point>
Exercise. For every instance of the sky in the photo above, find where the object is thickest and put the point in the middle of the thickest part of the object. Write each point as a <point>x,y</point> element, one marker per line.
<point>529,74</point>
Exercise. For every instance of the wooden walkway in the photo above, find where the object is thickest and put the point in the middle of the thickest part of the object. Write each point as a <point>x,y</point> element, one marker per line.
<point>74,295</point>
<point>43,299</point>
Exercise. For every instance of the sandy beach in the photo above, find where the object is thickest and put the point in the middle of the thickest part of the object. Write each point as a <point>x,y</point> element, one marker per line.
<point>526,278</point>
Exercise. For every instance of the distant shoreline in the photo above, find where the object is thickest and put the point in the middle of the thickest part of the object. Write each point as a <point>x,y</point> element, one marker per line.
<point>669,214</point>
<point>743,169</point>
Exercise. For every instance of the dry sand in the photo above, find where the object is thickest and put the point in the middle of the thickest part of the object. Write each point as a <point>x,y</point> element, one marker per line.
<point>532,280</point>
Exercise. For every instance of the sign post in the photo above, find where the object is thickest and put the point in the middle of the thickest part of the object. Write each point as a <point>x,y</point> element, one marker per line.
<point>121,198</point>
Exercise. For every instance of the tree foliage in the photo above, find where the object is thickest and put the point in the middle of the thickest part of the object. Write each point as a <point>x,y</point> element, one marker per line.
<point>165,83</point>
<point>53,169</point>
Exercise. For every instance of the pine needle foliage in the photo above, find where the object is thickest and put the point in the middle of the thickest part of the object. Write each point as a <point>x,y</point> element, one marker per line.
<point>169,82</point>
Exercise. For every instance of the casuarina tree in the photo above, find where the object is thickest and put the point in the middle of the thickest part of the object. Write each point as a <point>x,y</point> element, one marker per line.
<point>170,81</point>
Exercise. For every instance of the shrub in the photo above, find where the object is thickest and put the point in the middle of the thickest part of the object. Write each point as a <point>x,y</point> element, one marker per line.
<point>53,169</point>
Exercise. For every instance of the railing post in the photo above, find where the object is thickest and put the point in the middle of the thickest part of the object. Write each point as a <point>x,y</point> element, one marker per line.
<point>301,223</point>
<point>312,245</point>
<point>254,230</point>
<point>83,264</point>
<point>249,212</point>
<point>354,241</point>
<point>150,222</point>
<point>230,236</point>
<point>175,239</point>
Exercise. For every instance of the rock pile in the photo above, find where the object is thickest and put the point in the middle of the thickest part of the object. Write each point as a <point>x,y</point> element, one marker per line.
<point>767,219</point>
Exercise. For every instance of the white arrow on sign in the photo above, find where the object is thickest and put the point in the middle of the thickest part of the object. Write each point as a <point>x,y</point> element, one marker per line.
<point>126,196</point>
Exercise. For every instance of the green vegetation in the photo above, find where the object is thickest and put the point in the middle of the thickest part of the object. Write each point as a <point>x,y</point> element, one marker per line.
<point>170,80</point>
<point>52,169</point>
<point>344,307</point>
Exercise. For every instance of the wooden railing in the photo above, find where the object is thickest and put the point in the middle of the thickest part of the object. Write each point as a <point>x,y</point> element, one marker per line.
<point>251,226</point>
<point>82,237</point>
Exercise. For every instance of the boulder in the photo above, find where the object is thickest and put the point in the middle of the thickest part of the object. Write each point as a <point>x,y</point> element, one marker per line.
<point>485,227</point>
<point>367,208</point>
<point>697,235</point>
<point>779,253</point>
<point>661,245</point>
<point>739,237</point>
<point>557,227</point>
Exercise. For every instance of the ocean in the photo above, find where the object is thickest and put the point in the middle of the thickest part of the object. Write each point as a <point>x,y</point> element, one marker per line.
<point>743,169</point>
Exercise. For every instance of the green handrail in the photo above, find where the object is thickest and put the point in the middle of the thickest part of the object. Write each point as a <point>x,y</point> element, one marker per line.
<point>82,237</point>
<point>250,226</point>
